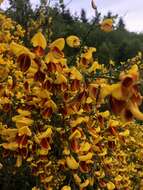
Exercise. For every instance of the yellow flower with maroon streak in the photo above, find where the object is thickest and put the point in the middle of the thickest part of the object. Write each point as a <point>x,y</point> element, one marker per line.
<point>39,42</point>
<point>21,121</point>
<point>43,139</point>
<point>73,41</point>
<point>107,25</point>
<point>18,50</point>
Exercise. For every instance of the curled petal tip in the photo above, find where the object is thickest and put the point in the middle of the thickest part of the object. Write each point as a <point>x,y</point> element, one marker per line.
<point>134,109</point>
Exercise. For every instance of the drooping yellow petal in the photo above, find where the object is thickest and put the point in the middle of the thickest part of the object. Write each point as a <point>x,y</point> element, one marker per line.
<point>24,112</point>
<point>72,163</point>
<point>59,43</point>
<point>110,186</point>
<point>84,184</point>
<point>86,157</point>
<point>134,109</point>
<point>10,146</point>
<point>73,41</point>
<point>45,134</point>
<point>39,40</point>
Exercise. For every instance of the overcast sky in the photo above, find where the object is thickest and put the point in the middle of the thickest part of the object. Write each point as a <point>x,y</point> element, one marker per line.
<point>130,10</point>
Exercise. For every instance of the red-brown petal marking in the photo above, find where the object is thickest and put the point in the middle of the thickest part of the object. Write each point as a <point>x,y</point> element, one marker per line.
<point>84,168</point>
<point>59,67</point>
<point>24,62</point>
<point>75,85</point>
<point>26,85</point>
<point>39,76</point>
<point>128,116</point>
<point>47,112</point>
<point>127,81</point>
<point>82,96</point>
<point>63,87</point>
<point>127,84</point>
<point>57,53</point>
<point>22,141</point>
<point>87,107</point>
<point>47,85</point>
<point>44,143</point>
<point>7,107</point>
<point>75,145</point>
<point>116,105</point>
<point>84,61</point>
<point>51,67</point>
<point>39,51</point>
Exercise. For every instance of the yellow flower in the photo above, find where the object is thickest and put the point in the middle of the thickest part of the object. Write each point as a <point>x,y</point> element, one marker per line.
<point>75,74</point>
<point>39,40</point>
<point>110,186</point>
<point>72,163</point>
<point>107,25</point>
<point>21,121</point>
<point>60,78</point>
<point>73,41</point>
<point>18,49</point>
<point>59,43</point>
<point>85,147</point>
<point>24,112</point>
<point>84,184</point>
<point>77,179</point>
<point>95,65</point>
<point>10,146</point>
<point>76,135</point>
<point>24,131</point>
<point>66,187</point>
<point>86,157</point>
<point>45,134</point>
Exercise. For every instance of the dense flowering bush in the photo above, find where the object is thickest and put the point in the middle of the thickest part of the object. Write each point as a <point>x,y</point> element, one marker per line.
<point>74,126</point>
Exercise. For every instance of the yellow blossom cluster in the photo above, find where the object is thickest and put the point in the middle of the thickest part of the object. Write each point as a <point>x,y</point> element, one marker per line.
<point>58,118</point>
